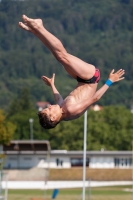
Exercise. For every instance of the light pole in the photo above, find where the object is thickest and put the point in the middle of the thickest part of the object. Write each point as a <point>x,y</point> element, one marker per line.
<point>84,155</point>
<point>31,128</point>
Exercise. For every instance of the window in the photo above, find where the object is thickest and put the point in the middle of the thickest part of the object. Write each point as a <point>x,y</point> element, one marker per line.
<point>12,158</point>
<point>59,162</point>
<point>116,162</point>
<point>27,158</point>
<point>78,162</point>
<point>130,161</point>
<point>123,162</point>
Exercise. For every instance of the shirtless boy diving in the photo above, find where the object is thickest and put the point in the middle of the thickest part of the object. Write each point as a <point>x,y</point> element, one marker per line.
<point>87,76</point>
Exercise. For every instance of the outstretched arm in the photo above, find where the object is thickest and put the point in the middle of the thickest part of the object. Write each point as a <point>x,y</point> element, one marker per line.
<point>113,77</point>
<point>50,82</point>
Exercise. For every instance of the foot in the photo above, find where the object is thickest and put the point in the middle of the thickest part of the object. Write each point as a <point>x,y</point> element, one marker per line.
<point>31,25</point>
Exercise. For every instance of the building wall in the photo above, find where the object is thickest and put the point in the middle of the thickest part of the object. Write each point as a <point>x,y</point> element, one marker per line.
<point>24,161</point>
<point>21,161</point>
<point>60,162</point>
<point>101,162</point>
<point>41,161</point>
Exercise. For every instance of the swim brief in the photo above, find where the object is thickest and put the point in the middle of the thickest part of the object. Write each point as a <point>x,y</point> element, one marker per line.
<point>94,79</point>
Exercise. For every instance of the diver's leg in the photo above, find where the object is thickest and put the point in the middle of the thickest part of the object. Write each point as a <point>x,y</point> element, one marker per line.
<point>72,64</point>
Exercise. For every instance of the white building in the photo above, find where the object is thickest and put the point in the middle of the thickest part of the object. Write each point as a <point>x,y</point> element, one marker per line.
<point>27,154</point>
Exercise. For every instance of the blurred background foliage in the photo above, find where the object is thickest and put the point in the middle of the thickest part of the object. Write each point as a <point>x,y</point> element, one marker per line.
<point>100,33</point>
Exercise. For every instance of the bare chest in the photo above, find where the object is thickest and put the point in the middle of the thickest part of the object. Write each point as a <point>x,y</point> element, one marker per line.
<point>80,93</point>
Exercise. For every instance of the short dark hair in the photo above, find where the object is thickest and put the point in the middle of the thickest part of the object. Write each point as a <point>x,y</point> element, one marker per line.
<point>45,121</point>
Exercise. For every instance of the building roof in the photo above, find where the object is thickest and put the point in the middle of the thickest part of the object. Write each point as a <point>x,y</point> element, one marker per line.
<point>96,107</point>
<point>26,146</point>
<point>43,147</point>
<point>42,104</point>
<point>92,153</point>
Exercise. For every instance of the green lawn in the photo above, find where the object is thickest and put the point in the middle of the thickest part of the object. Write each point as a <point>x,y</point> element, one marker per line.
<point>101,193</point>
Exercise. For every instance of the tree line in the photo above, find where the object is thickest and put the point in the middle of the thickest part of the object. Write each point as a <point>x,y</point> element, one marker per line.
<point>100,33</point>
<point>110,128</point>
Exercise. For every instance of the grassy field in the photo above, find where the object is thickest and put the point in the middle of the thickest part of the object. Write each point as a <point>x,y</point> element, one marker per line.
<point>93,174</point>
<point>74,173</point>
<point>101,193</point>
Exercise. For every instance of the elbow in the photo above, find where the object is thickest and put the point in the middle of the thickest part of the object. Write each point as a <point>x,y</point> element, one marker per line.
<point>96,99</point>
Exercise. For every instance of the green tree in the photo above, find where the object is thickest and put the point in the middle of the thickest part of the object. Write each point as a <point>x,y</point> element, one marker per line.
<point>22,102</point>
<point>6,129</point>
<point>111,129</point>
<point>102,36</point>
<point>20,111</point>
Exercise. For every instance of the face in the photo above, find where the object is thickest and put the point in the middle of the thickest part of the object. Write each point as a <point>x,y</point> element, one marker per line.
<point>53,111</point>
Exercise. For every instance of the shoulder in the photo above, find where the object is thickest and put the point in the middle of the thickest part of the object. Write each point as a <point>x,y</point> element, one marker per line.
<point>74,109</point>
<point>71,108</point>
<point>72,113</point>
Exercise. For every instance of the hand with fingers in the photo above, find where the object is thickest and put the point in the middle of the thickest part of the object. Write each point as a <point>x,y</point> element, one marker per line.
<point>117,76</point>
<point>49,81</point>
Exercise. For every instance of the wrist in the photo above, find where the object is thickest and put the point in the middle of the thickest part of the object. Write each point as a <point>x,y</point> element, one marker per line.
<point>52,86</point>
<point>109,82</point>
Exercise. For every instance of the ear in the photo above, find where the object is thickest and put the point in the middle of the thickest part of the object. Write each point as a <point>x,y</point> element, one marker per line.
<point>52,118</point>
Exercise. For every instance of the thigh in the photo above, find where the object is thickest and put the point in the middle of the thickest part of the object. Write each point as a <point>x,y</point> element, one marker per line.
<point>70,72</point>
<point>78,67</point>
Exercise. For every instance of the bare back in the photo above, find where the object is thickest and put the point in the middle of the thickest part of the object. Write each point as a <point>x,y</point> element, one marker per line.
<point>82,92</point>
